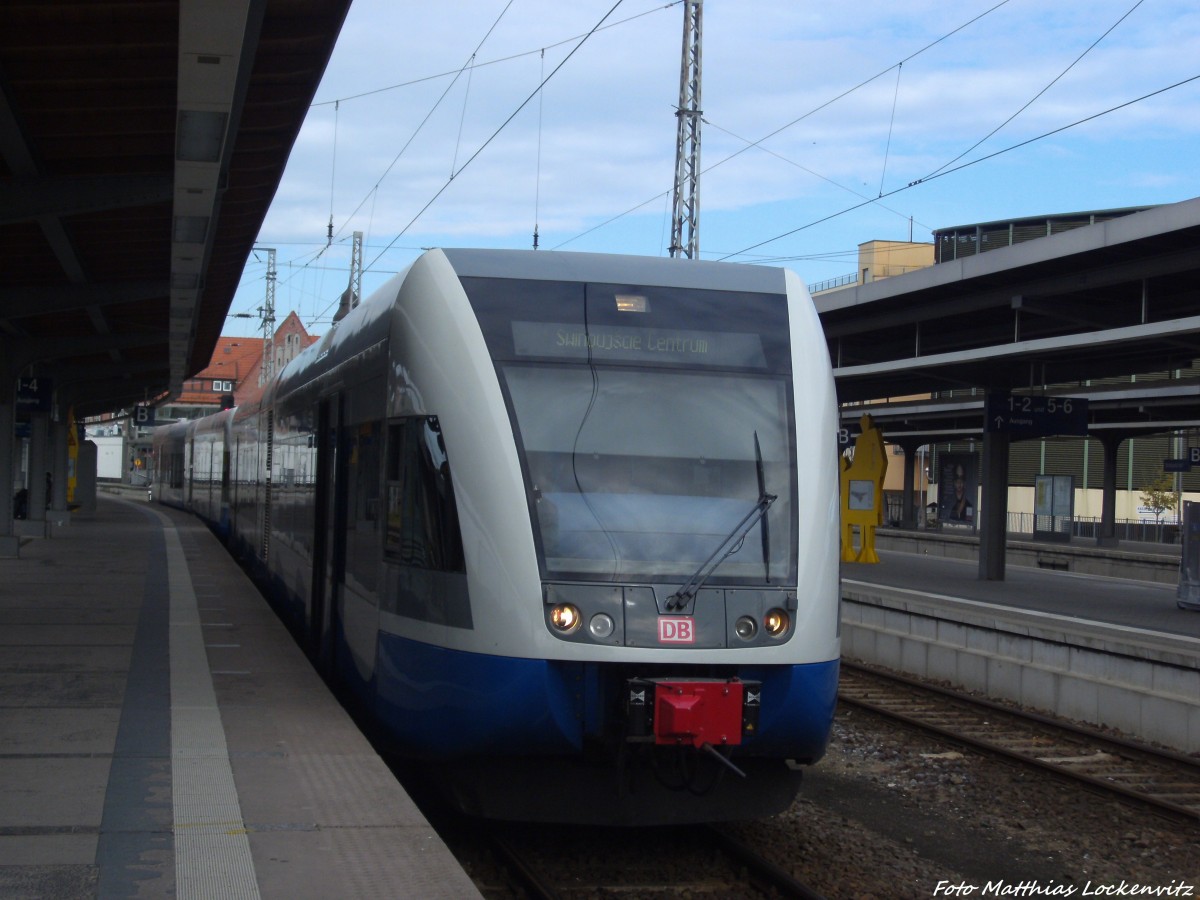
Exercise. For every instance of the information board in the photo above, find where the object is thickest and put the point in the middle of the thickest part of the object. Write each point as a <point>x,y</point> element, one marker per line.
<point>1026,415</point>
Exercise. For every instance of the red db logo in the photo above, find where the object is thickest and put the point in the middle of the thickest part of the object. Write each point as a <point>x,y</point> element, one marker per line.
<point>676,631</point>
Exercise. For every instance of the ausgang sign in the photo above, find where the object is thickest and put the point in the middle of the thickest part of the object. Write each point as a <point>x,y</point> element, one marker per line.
<point>1023,415</point>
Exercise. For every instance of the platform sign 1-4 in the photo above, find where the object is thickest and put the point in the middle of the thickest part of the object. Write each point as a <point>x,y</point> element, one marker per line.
<point>34,394</point>
<point>1027,415</point>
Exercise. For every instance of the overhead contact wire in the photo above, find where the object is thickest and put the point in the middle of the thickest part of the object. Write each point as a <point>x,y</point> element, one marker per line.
<point>494,135</point>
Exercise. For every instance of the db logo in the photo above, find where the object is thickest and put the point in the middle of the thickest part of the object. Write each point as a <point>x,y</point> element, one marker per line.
<point>676,631</point>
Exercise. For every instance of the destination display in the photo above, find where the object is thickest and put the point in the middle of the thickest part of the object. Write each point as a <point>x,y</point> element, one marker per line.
<point>653,346</point>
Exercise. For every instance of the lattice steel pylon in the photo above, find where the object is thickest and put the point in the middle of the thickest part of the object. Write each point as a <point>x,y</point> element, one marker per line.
<point>685,207</point>
<point>353,292</point>
<point>267,369</point>
<point>356,269</point>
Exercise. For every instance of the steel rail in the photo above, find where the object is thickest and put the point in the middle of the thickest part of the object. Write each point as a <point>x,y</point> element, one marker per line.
<point>1165,781</point>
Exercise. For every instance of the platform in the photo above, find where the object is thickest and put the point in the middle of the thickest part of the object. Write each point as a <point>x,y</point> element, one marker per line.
<point>1131,602</point>
<point>161,734</point>
<point>1112,652</point>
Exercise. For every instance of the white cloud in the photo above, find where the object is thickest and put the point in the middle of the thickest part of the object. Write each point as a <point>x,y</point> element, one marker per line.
<point>607,128</point>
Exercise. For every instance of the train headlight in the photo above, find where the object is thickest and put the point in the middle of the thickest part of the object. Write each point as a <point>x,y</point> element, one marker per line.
<point>601,626</point>
<point>776,622</point>
<point>746,628</point>
<point>565,617</point>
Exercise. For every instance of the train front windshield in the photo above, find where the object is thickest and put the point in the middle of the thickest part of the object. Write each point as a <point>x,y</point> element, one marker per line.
<point>652,438</point>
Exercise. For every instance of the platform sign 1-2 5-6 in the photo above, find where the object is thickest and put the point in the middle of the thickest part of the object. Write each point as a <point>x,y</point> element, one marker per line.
<point>1026,415</point>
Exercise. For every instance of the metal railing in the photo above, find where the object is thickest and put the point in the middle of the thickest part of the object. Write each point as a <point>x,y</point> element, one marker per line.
<point>1021,524</point>
<point>1161,532</point>
<point>830,283</point>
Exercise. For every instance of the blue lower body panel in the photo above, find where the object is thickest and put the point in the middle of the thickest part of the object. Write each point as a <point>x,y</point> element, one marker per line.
<point>797,709</point>
<point>437,703</point>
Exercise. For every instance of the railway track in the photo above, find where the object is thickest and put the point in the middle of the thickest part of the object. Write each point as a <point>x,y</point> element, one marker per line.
<point>1167,782</point>
<point>699,860</point>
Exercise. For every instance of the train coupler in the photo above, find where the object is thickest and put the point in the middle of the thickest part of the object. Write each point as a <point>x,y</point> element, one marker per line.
<point>692,711</point>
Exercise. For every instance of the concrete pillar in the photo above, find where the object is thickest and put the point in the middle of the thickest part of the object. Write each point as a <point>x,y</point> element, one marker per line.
<point>85,477</point>
<point>993,515</point>
<point>57,514</point>
<point>39,461</point>
<point>10,544</point>
<point>908,514</point>
<point>1107,537</point>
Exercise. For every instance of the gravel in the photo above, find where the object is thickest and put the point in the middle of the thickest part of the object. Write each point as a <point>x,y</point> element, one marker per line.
<point>890,813</point>
<point>894,813</point>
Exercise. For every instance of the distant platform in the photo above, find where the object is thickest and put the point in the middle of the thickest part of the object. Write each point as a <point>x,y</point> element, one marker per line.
<point>1126,559</point>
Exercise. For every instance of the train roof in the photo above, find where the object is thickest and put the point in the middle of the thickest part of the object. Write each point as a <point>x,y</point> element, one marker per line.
<point>543,265</point>
<point>368,323</point>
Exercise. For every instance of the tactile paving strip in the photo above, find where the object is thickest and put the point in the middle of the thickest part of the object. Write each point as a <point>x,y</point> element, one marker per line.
<point>212,851</point>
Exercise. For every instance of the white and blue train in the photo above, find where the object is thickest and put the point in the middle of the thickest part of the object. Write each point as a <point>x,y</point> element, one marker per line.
<point>563,525</point>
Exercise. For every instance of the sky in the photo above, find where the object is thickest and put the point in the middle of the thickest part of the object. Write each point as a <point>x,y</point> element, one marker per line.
<point>825,125</point>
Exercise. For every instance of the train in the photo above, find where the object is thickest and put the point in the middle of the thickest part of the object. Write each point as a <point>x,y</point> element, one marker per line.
<point>562,527</point>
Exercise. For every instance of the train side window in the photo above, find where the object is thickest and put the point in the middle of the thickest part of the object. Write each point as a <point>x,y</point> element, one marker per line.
<point>422,518</point>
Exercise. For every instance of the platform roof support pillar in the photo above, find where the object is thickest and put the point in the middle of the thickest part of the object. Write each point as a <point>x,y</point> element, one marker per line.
<point>993,516</point>
<point>39,459</point>
<point>10,544</point>
<point>908,510</point>
<point>1107,536</point>
<point>58,514</point>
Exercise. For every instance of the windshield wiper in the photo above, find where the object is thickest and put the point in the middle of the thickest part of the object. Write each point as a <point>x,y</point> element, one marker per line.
<point>765,531</point>
<point>682,597</point>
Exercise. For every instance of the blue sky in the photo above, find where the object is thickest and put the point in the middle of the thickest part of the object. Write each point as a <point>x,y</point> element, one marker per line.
<point>415,147</point>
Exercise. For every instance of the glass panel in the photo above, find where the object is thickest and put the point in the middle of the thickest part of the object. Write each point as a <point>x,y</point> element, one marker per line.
<point>639,474</point>
<point>422,519</point>
<point>362,505</point>
<point>635,324</point>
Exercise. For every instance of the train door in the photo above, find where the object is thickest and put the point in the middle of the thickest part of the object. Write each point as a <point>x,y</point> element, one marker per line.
<point>267,434</point>
<point>329,544</point>
<point>189,466</point>
<point>226,502</point>
<point>235,477</point>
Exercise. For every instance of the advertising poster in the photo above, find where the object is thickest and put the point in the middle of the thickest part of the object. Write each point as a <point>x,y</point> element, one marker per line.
<point>957,485</point>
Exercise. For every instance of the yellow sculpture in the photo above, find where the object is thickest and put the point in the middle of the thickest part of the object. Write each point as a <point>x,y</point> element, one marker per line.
<point>862,493</point>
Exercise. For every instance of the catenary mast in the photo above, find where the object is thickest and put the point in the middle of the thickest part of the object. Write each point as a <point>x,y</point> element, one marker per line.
<point>685,212</point>
<point>353,292</point>
<point>267,369</point>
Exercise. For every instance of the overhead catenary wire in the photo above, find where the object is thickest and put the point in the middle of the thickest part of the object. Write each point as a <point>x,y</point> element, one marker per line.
<point>1035,97</point>
<point>791,162</point>
<point>332,176</point>
<point>896,172</point>
<point>891,125</point>
<point>782,128</point>
<point>471,64</point>
<point>462,119</point>
<point>967,165</point>
<point>437,103</point>
<point>373,193</point>
<point>494,134</point>
<point>493,62</point>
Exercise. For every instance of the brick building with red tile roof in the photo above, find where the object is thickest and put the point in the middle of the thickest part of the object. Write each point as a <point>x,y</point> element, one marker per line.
<point>234,374</point>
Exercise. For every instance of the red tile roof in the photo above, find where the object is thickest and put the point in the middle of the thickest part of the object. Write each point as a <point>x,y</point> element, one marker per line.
<point>238,360</point>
